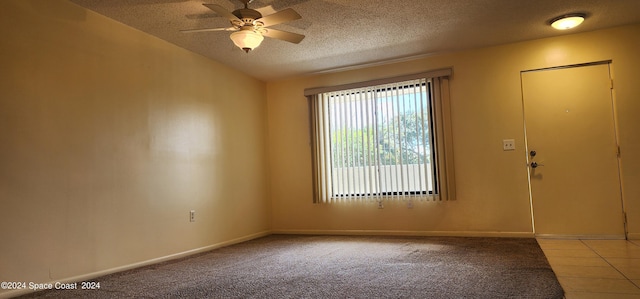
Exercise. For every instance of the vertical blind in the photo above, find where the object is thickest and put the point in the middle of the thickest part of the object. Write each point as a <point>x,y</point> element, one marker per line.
<point>375,142</point>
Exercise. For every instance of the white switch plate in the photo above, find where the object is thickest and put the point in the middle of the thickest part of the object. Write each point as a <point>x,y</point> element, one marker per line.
<point>508,144</point>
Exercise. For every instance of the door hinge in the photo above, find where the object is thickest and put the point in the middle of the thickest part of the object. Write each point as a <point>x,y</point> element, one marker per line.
<point>611,84</point>
<point>618,151</point>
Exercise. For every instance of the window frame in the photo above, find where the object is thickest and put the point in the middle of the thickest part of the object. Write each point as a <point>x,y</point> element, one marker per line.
<point>444,183</point>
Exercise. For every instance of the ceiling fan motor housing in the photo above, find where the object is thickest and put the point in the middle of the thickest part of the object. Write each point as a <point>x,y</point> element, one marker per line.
<point>247,15</point>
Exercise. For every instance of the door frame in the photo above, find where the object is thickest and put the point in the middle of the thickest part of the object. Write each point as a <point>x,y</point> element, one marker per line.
<point>617,139</point>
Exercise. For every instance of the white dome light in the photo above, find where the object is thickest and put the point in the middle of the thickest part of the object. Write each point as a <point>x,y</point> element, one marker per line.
<point>567,21</point>
<point>246,40</point>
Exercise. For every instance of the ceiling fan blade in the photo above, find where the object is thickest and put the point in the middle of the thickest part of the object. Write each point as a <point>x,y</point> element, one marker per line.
<point>221,11</point>
<point>280,17</point>
<point>283,35</point>
<point>266,10</point>
<point>208,29</point>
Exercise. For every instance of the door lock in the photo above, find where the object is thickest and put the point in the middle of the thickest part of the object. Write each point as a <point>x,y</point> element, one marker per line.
<point>535,164</point>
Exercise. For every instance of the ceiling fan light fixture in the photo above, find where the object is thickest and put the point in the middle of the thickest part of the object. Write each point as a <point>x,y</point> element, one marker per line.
<point>251,27</point>
<point>246,40</point>
<point>567,21</point>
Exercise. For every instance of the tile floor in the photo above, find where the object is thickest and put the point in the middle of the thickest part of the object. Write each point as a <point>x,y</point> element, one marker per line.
<point>595,268</point>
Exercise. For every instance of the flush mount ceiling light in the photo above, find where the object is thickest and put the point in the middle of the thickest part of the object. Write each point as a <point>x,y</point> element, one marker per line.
<point>567,21</point>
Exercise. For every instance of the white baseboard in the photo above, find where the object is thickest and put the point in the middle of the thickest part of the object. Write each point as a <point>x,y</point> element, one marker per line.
<point>580,237</point>
<point>89,276</point>
<point>407,233</point>
<point>633,236</point>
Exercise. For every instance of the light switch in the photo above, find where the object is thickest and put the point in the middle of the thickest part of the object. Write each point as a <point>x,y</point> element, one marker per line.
<point>508,144</point>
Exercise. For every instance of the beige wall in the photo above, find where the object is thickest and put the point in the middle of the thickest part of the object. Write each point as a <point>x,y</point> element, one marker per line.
<point>109,137</point>
<point>486,104</point>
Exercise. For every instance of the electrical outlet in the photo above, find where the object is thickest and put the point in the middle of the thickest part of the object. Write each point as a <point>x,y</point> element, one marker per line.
<point>508,144</point>
<point>192,216</point>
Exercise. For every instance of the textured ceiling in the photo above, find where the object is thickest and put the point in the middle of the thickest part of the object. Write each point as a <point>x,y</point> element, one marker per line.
<point>347,33</point>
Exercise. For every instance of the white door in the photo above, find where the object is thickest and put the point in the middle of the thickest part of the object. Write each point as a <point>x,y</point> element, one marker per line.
<point>572,152</point>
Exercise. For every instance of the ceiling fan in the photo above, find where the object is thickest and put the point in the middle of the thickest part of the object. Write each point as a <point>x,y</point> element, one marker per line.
<point>250,26</point>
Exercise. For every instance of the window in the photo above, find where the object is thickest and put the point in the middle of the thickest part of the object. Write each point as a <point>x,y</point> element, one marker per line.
<point>381,140</point>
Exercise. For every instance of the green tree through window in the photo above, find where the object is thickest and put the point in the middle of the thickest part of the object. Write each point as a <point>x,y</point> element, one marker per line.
<point>380,140</point>
<point>385,139</point>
